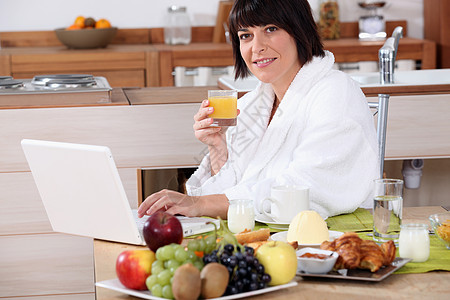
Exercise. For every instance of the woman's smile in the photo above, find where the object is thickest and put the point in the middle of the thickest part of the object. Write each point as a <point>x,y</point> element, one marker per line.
<point>264,62</point>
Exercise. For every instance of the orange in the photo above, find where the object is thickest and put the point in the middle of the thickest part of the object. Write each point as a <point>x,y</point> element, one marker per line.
<point>102,23</point>
<point>73,27</point>
<point>79,21</point>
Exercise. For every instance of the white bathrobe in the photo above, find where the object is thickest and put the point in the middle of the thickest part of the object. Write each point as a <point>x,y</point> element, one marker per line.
<point>322,135</point>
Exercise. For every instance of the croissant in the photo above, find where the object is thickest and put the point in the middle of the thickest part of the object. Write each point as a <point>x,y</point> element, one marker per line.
<point>372,256</point>
<point>357,253</point>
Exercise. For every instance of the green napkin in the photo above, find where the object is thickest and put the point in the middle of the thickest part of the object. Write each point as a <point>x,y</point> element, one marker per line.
<point>360,220</point>
<point>439,259</point>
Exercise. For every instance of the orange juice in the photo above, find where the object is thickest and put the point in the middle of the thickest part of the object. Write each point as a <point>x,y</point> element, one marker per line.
<point>225,107</point>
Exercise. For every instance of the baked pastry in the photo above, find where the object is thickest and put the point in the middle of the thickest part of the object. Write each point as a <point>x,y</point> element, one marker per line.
<point>372,257</point>
<point>357,253</point>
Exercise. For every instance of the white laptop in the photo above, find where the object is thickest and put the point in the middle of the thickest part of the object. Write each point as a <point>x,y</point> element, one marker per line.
<point>83,195</point>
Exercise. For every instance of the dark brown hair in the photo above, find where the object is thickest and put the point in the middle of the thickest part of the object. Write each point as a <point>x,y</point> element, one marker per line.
<point>294,16</point>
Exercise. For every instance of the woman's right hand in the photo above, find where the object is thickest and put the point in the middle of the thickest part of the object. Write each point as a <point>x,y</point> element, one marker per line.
<point>211,136</point>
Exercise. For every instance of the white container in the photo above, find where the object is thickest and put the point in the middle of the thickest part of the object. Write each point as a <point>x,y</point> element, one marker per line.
<point>241,215</point>
<point>178,26</point>
<point>414,242</point>
<point>316,265</point>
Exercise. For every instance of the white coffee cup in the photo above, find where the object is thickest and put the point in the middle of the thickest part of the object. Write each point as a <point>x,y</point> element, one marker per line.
<point>286,202</point>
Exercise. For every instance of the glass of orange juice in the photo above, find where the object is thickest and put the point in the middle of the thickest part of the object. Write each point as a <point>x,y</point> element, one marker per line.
<point>225,107</point>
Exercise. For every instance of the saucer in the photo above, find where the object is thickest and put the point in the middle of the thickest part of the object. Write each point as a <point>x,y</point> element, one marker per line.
<point>271,223</point>
<point>282,236</point>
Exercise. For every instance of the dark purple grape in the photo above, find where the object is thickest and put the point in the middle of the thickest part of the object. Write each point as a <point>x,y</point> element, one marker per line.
<point>261,285</point>
<point>242,273</point>
<point>223,258</point>
<point>214,258</point>
<point>239,256</point>
<point>232,290</point>
<point>230,270</point>
<point>249,270</point>
<point>249,259</point>
<point>232,261</point>
<point>260,269</point>
<point>239,285</point>
<point>242,264</point>
<point>254,277</point>
<point>229,248</point>
<point>246,282</point>
<point>266,278</point>
<point>249,250</point>
<point>214,252</point>
<point>253,286</point>
<point>206,259</point>
<point>255,262</point>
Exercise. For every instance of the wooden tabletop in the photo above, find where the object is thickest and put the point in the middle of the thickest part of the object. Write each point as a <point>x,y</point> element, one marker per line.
<point>432,285</point>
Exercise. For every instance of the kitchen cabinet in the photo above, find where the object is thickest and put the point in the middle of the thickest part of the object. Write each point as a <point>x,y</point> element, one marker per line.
<point>437,28</point>
<point>139,57</point>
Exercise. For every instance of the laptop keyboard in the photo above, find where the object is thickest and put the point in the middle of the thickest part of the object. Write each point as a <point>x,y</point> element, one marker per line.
<point>139,221</point>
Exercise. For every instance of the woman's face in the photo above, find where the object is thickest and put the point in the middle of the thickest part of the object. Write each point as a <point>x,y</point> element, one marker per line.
<point>270,53</point>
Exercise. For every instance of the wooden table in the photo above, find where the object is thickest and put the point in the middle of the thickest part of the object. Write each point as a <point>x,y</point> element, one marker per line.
<point>432,285</point>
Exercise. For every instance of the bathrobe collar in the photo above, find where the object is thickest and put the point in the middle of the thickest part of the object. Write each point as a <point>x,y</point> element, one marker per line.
<point>277,131</point>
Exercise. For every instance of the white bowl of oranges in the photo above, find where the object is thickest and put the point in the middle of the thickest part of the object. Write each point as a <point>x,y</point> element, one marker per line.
<point>87,33</point>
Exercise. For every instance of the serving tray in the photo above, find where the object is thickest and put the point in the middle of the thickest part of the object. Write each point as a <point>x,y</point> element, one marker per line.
<point>115,285</point>
<point>361,274</point>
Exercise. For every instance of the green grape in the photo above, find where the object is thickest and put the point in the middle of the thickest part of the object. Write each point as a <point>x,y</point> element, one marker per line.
<point>176,247</point>
<point>167,291</point>
<point>157,267</point>
<point>156,290</point>
<point>188,261</point>
<point>158,254</point>
<point>210,243</point>
<point>151,281</point>
<point>167,252</point>
<point>164,277</point>
<point>166,264</point>
<point>172,264</point>
<point>172,271</point>
<point>193,245</point>
<point>181,255</point>
<point>201,245</point>
<point>171,280</point>
<point>198,264</point>
<point>191,255</point>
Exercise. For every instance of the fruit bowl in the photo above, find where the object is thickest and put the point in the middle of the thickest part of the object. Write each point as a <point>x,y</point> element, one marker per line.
<point>86,38</point>
<point>314,265</point>
<point>441,226</point>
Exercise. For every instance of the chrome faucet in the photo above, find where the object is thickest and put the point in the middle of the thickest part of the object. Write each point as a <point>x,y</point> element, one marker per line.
<point>387,55</point>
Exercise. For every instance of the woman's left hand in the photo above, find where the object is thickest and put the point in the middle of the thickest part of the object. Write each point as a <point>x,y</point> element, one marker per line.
<point>171,202</point>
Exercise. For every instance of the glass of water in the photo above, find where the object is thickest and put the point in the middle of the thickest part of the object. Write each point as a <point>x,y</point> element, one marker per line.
<point>387,210</point>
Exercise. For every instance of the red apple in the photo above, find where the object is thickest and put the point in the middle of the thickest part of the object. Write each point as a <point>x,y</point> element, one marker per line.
<point>162,229</point>
<point>133,267</point>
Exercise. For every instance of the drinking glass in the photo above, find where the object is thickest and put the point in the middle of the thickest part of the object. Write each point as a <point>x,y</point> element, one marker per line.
<point>387,210</point>
<point>225,107</point>
<point>241,215</point>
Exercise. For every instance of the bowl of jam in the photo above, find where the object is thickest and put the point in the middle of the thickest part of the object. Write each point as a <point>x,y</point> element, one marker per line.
<point>315,261</point>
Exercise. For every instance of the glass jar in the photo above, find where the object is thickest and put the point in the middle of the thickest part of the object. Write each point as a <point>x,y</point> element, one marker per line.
<point>241,215</point>
<point>414,242</point>
<point>178,26</point>
<point>329,25</point>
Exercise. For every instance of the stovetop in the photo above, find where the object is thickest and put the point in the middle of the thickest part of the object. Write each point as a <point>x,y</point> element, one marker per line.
<point>50,84</point>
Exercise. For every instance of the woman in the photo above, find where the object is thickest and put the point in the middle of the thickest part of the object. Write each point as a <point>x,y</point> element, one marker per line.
<point>304,124</point>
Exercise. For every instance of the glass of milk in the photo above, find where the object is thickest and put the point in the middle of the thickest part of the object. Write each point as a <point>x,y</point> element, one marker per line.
<point>241,215</point>
<point>414,242</point>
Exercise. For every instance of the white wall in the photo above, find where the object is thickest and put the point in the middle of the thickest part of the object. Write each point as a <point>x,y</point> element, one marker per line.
<point>29,15</point>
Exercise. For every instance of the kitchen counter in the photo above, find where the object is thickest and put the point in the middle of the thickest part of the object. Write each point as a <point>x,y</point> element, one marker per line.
<point>432,285</point>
